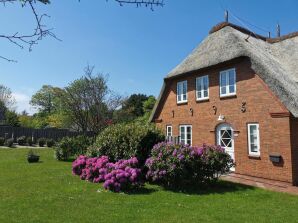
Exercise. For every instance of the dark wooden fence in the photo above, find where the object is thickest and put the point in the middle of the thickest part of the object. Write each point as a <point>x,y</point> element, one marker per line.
<point>49,133</point>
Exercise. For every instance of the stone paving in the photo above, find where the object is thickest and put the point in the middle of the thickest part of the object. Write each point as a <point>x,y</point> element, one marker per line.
<point>261,183</point>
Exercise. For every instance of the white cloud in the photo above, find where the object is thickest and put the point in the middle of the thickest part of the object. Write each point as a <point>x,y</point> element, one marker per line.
<point>22,103</point>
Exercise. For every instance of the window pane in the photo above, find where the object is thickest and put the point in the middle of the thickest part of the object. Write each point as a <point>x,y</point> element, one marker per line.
<point>188,129</point>
<point>232,89</point>
<point>206,94</point>
<point>231,77</point>
<point>223,80</point>
<point>253,129</point>
<point>254,138</point>
<point>223,90</point>
<point>179,97</point>
<point>199,85</point>
<point>182,134</point>
<point>179,88</point>
<point>169,131</point>
<point>254,148</point>
<point>184,97</point>
<point>199,94</point>
<point>184,87</point>
<point>205,83</point>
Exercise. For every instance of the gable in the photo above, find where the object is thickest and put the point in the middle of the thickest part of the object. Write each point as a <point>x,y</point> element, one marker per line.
<point>275,63</point>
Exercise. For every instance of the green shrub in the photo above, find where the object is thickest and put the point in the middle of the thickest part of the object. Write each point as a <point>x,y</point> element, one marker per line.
<point>41,142</point>
<point>29,141</point>
<point>122,141</point>
<point>9,142</point>
<point>50,142</point>
<point>21,140</point>
<point>2,141</point>
<point>71,147</point>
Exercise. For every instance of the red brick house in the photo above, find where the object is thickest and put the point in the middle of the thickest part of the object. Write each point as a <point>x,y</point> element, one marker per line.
<point>239,90</point>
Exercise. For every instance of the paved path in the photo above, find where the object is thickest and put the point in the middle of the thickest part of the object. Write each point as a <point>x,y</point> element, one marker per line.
<point>261,183</point>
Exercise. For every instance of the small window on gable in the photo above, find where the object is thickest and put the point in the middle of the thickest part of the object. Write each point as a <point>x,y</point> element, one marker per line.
<point>253,139</point>
<point>169,132</point>
<point>228,82</point>
<point>185,133</point>
<point>182,92</point>
<point>202,88</point>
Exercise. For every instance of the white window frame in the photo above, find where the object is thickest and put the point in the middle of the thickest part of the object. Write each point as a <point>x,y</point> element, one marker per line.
<point>167,131</point>
<point>185,133</point>
<point>249,141</point>
<point>228,93</point>
<point>200,81</point>
<point>181,100</point>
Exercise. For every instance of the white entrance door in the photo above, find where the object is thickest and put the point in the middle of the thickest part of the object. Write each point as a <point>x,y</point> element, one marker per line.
<point>225,139</point>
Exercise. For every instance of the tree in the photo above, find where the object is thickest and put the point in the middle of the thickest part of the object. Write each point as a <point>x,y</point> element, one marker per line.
<point>11,118</point>
<point>47,99</point>
<point>3,110</point>
<point>41,31</point>
<point>6,96</point>
<point>134,104</point>
<point>89,102</point>
<point>149,104</point>
<point>135,107</point>
<point>147,107</point>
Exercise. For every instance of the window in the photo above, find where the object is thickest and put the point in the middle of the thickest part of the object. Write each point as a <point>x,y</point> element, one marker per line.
<point>228,82</point>
<point>182,92</point>
<point>253,139</point>
<point>185,133</point>
<point>202,85</point>
<point>169,131</point>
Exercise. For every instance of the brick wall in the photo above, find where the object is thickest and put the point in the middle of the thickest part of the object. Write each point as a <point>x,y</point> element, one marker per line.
<point>260,104</point>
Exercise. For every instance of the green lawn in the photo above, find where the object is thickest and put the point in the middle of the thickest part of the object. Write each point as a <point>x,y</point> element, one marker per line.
<point>48,192</point>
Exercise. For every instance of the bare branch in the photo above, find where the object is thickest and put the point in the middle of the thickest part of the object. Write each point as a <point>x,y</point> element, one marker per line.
<point>40,31</point>
<point>139,3</point>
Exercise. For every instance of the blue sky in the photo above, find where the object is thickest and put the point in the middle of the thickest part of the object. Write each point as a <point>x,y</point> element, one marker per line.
<point>134,46</point>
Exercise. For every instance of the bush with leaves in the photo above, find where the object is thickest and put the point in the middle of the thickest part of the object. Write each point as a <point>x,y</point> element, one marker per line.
<point>50,142</point>
<point>21,140</point>
<point>9,143</point>
<point>72,147</point>
<point>42,142</point>
<point>173,165</point>
<point>2,141</point>
<point>122,141</point>
<point>29,141</point>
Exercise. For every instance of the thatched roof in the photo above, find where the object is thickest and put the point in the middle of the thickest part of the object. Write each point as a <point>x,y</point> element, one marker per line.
<point>275,60</point>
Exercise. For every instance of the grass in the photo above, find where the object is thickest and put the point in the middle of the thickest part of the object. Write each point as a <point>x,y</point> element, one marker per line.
<point>48,192</point>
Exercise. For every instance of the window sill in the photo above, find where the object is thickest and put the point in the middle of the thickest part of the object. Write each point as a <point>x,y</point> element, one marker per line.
<point>254,156</point>
<point>181,102</point>
<point>228,96</point>
<point>202,100</point>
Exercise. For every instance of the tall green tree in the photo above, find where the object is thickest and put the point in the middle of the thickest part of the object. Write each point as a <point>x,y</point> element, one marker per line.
<point>11,118</point>
<point>89,102</point>
<point>47,99</point>
<point>134,104</point>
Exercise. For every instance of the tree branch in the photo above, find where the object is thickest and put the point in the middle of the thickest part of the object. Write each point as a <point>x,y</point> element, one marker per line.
<point>139,3</point>
<point>40,31</point>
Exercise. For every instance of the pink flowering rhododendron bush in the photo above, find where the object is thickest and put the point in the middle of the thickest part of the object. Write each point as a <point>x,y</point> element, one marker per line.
<point>117,176</point>
<point>171,164</point>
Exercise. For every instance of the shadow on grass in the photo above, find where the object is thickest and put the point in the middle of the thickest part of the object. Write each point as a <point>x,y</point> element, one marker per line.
<point>219,187</point>
<point>69,160</point>
<point>38,162</point>
<point>140,191</point>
